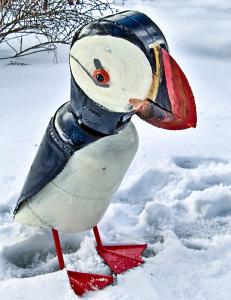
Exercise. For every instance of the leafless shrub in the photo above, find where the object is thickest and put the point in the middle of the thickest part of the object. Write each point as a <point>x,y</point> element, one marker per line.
<point>49,21</point>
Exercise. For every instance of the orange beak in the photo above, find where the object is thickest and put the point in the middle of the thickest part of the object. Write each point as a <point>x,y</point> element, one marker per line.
<point>174,106</point>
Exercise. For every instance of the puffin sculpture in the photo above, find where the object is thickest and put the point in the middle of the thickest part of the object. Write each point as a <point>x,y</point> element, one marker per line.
<point>120,66</point>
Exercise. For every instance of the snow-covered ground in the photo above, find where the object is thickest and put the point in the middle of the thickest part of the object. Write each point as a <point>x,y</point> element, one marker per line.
<point>176,195</point>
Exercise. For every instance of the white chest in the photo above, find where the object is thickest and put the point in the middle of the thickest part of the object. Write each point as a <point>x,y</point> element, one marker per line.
<point>79,196</point>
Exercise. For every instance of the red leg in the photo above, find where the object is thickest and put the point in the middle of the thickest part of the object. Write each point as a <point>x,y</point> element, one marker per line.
<point>97,237</point>
<point>58,249</point>
<point>119,258</point>
<point>80,282</point>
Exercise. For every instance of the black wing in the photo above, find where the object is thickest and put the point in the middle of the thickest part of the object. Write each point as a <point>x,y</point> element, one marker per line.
<point>54,151</point>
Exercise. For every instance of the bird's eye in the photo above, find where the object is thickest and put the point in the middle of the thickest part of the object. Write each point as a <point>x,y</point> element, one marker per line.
<point>101,76</point>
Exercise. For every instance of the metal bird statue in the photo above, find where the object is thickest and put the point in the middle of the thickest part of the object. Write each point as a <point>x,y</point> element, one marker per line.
<point>120,66</point>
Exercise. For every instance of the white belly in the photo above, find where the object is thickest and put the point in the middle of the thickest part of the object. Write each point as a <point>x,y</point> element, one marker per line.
<point>78,197</point>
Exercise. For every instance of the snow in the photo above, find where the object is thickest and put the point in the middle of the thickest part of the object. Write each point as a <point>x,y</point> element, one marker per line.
<point>176,195</point>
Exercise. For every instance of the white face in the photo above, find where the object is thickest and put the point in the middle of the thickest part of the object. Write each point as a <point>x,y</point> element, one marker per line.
<point>127,68</point>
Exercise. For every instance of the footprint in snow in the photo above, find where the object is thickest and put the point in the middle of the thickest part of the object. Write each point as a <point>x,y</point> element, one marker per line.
<point>193,162</point>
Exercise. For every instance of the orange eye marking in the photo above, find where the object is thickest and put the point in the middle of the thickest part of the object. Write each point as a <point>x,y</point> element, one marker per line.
<point>101,76</point>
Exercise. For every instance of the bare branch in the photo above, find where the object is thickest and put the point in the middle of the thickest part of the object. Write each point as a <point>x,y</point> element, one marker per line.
<point>55,21</point>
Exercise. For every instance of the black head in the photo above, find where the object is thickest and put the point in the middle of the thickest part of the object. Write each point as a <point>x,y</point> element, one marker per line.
<point>111,62</point>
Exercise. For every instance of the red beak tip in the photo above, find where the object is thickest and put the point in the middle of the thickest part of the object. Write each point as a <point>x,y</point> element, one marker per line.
<point>192,125</point>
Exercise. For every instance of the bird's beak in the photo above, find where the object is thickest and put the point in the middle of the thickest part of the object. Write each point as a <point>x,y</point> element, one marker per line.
<point>170,103</point>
